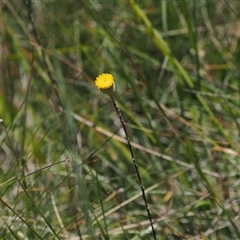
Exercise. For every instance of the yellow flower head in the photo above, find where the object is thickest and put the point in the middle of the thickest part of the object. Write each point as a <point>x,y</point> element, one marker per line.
<point>105,82</point>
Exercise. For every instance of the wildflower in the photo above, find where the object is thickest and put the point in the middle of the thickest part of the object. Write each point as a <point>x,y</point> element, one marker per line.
<point>105,82</point>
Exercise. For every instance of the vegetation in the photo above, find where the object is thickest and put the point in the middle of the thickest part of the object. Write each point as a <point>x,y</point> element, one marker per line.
<point>66,169</point>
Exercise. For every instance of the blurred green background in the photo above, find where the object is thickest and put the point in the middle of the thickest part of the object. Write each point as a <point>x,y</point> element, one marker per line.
<point>66,171</point>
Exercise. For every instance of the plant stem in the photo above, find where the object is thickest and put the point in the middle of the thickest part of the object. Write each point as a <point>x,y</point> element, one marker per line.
<point>135,164</point>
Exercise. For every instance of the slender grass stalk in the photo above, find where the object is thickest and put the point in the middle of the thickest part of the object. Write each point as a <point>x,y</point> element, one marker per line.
<point>105,82</point>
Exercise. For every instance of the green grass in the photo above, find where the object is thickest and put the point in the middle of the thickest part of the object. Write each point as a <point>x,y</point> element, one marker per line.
<point>66,170</point>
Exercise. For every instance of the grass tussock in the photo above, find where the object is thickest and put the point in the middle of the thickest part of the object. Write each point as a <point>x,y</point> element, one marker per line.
<point>66,170</point>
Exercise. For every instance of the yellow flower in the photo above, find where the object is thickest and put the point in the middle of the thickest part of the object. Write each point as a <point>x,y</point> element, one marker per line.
<point>105,82</point>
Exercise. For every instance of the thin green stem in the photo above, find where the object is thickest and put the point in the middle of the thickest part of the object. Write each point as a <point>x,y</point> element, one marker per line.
<point>134,163</point>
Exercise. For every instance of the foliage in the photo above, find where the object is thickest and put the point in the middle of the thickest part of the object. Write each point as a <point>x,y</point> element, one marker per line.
<point>66,170</point>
